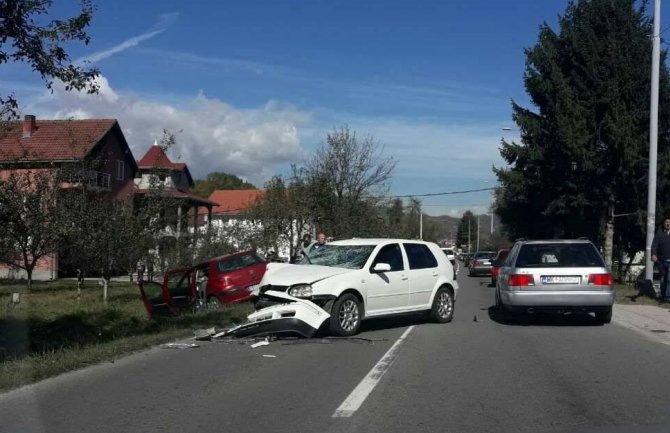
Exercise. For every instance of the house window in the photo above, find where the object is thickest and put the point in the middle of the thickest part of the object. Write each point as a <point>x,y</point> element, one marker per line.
<point>103,179</point>
<point>120,169</point>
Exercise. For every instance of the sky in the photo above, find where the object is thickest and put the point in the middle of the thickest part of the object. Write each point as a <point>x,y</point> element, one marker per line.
<point>251,87</point>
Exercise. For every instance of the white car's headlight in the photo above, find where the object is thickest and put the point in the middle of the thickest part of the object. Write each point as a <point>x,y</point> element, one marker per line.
<point>301,291</point>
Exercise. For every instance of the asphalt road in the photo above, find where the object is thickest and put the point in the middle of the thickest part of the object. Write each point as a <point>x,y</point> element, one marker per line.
<point>477,374</point>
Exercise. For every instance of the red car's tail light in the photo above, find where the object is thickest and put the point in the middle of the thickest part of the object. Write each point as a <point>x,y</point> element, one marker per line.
<point>601,279</point>
<point>521,280</point>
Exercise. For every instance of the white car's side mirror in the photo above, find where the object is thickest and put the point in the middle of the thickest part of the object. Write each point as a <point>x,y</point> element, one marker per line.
<point>381,267</point>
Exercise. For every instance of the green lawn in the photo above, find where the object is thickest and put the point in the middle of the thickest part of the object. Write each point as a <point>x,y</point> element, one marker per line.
<point>627,294</point>
<point>52,331</point>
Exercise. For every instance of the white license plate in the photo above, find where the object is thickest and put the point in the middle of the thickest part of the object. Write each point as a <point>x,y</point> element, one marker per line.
<point>560,279</point>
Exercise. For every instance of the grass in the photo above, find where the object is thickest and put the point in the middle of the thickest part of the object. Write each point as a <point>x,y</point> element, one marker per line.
<point>628,294</point>
<point>52,331</point>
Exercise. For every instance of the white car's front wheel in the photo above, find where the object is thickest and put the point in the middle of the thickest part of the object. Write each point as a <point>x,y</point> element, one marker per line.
<point>442,310</point>
<point>346,316</point>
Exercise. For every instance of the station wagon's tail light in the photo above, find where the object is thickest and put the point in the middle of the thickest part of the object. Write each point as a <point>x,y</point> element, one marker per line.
<point>521,280</point>
<point>601,279</point>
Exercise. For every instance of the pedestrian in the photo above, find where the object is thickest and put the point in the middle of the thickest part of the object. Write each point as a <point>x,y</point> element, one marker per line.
<point>320,241</point>
<point>306,245</point>
<point>140,271</point>
<point>660,253</point>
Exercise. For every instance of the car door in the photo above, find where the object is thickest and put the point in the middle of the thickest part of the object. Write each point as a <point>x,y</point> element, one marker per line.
<point>154,301</point>
<point>179,289</point>
<point>423,273</point>
<point>387,291</point>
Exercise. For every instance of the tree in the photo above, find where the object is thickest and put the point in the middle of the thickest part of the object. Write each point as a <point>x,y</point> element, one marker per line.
<point>219,180</point>
<point>41,43</point>
<point>583,150</point>
<point>397,227</point>
<point>31,219</point>
<point>347,179</point>
<point>467,230</point>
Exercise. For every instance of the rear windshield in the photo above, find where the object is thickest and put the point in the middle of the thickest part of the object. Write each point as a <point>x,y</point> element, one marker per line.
<point>485,255</point>
<point>578,255</point>
<point>239,262</point>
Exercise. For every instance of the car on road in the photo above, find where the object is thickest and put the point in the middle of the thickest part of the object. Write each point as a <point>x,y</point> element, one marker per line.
<point>357,279</point>
<point>481,263</point>
<point>495,264</point>
<point>555,275</point>
<point>221,280</point>
<point>451,256</point>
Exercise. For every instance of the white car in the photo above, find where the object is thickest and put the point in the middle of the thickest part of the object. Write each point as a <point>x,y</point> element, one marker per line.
<point>353,280</point>
<point>451,256</point>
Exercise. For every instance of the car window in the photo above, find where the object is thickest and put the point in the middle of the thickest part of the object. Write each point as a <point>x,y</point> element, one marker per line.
<point>340,256</point>
<point>238,262</point>
<point>420,256</point>
<point>559,255</point>
<point>392,255</point>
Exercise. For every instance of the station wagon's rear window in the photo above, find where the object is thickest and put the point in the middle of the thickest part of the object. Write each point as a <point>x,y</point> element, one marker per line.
<point>576,255</point>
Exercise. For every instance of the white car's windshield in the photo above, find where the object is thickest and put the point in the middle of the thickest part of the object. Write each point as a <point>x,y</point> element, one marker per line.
<point>340,256</point>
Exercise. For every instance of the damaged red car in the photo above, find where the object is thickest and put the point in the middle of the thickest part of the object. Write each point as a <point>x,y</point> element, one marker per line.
<point>221,280</point>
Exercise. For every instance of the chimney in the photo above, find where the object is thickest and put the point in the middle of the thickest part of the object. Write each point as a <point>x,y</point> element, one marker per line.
<point>28,125</point>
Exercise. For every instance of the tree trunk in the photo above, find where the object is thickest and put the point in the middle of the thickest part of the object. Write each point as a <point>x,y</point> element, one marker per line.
<point>609,236</point>
<point>29,274</point>
<point>105,284</point>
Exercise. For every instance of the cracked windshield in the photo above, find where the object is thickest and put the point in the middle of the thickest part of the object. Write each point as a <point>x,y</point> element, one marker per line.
<point>443,216</point>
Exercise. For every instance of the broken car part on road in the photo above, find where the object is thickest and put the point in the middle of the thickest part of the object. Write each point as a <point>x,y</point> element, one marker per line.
<point>294,316</point>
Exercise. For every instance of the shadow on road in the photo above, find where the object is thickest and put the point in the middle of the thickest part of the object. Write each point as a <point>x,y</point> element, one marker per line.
<point>541,318</point>
<point>391,322</point>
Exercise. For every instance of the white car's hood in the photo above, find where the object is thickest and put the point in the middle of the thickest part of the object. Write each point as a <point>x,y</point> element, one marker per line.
<point>294,274</point>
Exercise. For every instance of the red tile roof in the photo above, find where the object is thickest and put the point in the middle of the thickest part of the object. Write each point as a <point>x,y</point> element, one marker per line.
<point>53,140</point>
<point>234,201</point>
<point>174,193</point>
<point>157,158</point>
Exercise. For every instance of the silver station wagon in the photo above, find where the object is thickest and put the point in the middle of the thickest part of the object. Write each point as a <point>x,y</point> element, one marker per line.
<point>558,275</point>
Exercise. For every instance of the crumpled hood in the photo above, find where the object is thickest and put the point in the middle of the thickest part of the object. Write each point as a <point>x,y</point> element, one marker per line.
<point>288,275</point>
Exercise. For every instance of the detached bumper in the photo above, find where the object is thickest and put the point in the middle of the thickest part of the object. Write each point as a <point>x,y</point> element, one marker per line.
<point>288,316</point>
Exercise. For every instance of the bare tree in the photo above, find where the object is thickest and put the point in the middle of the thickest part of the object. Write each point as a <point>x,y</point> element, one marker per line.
<point>348,178</point>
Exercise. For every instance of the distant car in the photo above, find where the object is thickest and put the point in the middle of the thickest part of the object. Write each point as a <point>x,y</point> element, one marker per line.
<point>221,280</point>
<point>451,256</point>
<point>481,263</point>
<point>556,275</point>
<point>352,280</point>
<point>495,264</point>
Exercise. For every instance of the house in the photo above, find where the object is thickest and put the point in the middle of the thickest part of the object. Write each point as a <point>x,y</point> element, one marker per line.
<point>231,222</point>
<point>96,148</point>
<point>174,179</point>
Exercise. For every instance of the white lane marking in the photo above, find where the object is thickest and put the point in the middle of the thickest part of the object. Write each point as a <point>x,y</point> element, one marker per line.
<point>351,404</point>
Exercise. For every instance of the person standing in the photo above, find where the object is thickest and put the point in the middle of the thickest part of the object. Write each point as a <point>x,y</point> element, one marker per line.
<point>320,241</point>
<point>660,253</point>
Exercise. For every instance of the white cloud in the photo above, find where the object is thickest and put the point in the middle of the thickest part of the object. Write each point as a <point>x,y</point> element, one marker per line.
<point>211,135</point>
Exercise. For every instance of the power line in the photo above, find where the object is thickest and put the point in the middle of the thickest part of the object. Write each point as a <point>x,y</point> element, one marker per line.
<point>433,194</point>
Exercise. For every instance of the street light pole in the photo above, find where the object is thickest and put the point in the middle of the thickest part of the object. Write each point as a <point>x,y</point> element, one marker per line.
<point>653,139</point>
<point>469,219</point>
<point>477,232</point>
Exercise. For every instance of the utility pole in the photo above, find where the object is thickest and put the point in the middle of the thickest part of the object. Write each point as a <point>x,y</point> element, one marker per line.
<point>421,225</point>
<point>653,140</point>
<point>477,232</point>
<point>469,219</point>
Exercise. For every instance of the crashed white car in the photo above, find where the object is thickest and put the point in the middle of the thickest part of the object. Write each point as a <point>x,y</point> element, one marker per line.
<point>345,282</point>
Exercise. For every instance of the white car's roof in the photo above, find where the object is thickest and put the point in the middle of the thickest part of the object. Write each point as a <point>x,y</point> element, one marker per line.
<point>374,241</point>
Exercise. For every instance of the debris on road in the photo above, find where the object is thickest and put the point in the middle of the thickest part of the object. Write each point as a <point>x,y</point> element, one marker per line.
<point>290,316</point>
<point>179,346</point>
<point>204,334</point>
<point>260,343</point>
<point>269,356</point>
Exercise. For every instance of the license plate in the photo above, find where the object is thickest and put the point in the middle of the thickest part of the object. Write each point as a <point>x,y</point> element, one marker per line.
<point>560,279</point>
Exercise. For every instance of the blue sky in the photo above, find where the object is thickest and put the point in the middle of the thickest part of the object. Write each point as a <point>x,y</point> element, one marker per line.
<point>251,87</point>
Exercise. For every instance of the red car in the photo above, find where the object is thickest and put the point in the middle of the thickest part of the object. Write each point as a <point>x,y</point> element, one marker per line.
<point>221,280</point>
<point>495,268</point>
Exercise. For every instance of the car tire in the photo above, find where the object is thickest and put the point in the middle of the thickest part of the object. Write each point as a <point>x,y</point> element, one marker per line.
<point>214,303</point>
<point>346,316</point>
<point>604,317</point>
<point>442,310</point>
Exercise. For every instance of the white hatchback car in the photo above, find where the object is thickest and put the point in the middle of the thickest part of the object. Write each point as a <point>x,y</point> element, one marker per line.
<point>357,279</point>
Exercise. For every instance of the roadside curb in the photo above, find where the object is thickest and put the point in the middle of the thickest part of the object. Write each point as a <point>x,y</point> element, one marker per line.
<point>650,321</point>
